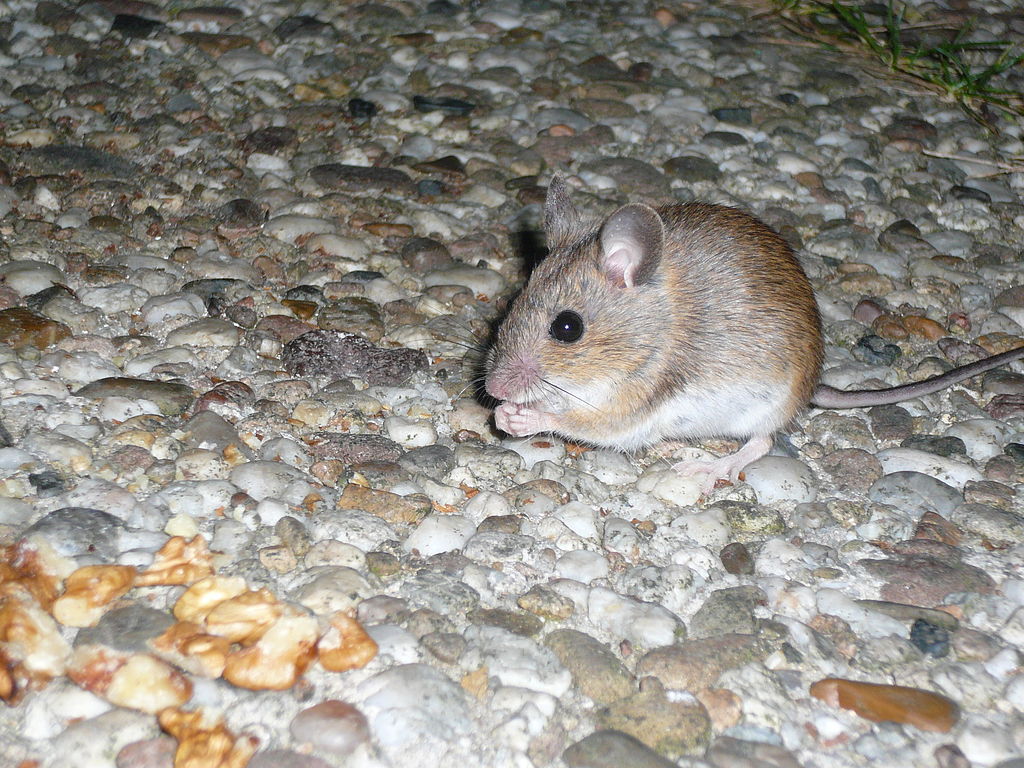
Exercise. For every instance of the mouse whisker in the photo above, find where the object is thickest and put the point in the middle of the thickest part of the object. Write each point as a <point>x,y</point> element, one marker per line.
<point>570,394</point>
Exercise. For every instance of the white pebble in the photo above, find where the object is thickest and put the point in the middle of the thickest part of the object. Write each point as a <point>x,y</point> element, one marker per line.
<point>119,409</point>
<point>862,620</point>
<point>610,467</point>
<point>160,308</point>
<point>410,433</point>
<point>479,280</point>
<point>644,624</point>
<point>792,163</point>
<point>440,533</point>
<point>536,448</point>
<point>778,478</point>
<point>28,277</point>
<point>271,479</point>
<point>580,518</point>
<point>582,565</point>
<point>983,438</point>
<point>668,485</point>
<point>291,226</point>
<point>948,470</point>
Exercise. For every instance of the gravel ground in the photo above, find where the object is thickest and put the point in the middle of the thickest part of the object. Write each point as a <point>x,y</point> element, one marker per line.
<point>249,255</point>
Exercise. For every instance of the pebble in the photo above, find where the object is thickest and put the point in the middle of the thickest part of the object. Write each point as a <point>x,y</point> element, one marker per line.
<point>946,470</point>
<point>922,709</point>
<point>414,702</point>
<point>332,726</point>
<point>595,669</point>
<point>778,479</point>
<point>254,309</point>
<point>439,533</point>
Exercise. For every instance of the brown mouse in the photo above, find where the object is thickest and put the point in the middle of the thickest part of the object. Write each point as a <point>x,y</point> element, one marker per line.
<point>685,321</point>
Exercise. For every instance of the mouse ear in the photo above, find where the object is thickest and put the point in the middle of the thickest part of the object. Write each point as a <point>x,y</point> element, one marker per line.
<point>631,242</point>
<point>561,219</point>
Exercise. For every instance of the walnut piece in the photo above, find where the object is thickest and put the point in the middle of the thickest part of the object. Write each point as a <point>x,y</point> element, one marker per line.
<point>246,617</point>
<point>30,641</point>
<point>88,591</point>
<point>204,741</point>
<point>135,681</point>
<point>345,645</point>
<point>178,562</point>
<point>206,594</point>
<point>188,646</point>
<point>279,658</point>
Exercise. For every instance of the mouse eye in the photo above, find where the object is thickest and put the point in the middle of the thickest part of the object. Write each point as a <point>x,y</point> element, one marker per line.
<point>567,327</point>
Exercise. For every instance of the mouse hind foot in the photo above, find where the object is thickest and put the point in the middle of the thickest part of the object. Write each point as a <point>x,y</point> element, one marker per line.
<point>726,467</point>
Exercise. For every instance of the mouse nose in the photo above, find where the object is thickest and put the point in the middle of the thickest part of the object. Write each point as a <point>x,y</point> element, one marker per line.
<point>496,388</point>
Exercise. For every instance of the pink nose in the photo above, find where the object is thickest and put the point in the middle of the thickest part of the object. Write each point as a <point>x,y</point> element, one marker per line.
<point>496,388</point>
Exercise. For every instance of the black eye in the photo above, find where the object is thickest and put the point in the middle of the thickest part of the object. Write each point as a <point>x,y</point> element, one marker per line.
<point>567,327</point>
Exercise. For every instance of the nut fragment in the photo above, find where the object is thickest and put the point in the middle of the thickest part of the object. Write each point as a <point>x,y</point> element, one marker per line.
<point>30,640</point>
<point>246,617</point>
<point>89,590</point>
<point>280,656</point>
<point>136,681</point>
<point>186,645</point>
<point>33,565</point>
<point>203,596</point>
<point>204,741</point>
<point>178,562</point>
<point>346,645</point>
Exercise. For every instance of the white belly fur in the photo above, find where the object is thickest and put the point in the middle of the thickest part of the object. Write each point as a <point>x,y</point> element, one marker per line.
<point>737,410</point>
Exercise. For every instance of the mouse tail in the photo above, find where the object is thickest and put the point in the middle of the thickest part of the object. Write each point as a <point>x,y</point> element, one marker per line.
<point>829,397</point>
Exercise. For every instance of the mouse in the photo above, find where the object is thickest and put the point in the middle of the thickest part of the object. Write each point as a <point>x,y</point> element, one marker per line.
<point>681,322</point>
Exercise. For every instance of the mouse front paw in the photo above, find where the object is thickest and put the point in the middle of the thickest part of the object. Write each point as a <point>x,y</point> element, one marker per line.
<point>521,420</point>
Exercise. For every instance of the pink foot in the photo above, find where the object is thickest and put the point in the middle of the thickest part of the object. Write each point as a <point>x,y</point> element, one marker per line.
<point>726,467</point>
<point>520,420</point>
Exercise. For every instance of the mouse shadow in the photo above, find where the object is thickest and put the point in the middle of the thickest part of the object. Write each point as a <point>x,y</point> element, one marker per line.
<point>529,245</point>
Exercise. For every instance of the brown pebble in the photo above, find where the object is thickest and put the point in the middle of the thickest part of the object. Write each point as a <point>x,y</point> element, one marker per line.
<point>923,326</point>
<point>896,703</point>
<point>736,558</point>
<point>21,327</point>
<point>890,327</point>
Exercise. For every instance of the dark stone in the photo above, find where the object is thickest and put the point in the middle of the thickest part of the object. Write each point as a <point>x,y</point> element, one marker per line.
<point>874,350</point>
<point>341,355</point>
<point>422,254</point>
<point>61,159</point>
<point>270,140</point>
<point>925,580</point>
<point>613,749</point>
<point>241,213</point>
<point>724,139</point>
<point>47,483</point>
<point>172,398</point>
<point>361,109</point>
<point>940,445</point>
<point>354,449</point>
<point>692,168</point>
<point>432,460</point>
<point>734,115</point>
<point>74,531</point>
<point>445,104</point>
<point>929,639</point>
<point>962,192</point>
<point>891,422</point>
<point>516,622</point>
<point>736,559</point>
<point>905,127</point>
<point>361,179</point>
<point>305,28</point>
<point>130,25</point>
<point>127,629</point>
